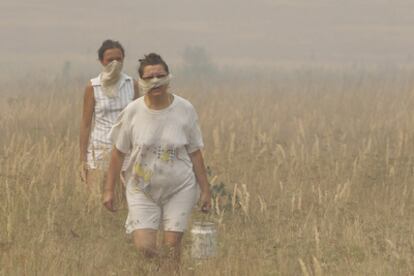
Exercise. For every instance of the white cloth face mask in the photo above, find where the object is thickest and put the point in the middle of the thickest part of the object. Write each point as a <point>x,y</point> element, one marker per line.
<point>110,76</point>
<point>146,85</point>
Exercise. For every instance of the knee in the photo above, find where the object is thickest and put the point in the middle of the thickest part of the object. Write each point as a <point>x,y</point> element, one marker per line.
<point>172,247</point>
<point>147,250</point>
<point>145,242</point>
<point>173,239</point>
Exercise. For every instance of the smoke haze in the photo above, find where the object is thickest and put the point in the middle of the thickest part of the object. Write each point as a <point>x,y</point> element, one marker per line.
<point>44,34</point>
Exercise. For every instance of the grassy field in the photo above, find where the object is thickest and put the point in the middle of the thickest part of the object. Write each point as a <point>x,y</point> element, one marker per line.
<point>321,163</point>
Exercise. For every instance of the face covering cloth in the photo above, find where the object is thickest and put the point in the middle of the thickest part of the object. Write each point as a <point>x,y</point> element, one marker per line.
<point>146,85</point>
<point>110,77</point>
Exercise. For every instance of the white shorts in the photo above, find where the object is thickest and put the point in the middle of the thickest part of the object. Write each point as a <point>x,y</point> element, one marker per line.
<point>173,214</point>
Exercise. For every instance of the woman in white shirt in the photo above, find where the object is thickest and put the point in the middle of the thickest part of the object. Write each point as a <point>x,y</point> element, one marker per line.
<point>105,97</point>
<point>166,171</point>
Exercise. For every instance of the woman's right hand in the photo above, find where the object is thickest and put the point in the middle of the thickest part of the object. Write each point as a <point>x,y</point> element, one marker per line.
<point>83,171</point>
<point>205,201</point>
<point>108,200</point>
<point>114,170</point>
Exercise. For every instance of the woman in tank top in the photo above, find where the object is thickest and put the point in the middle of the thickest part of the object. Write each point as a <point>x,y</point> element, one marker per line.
<point>105,97</point>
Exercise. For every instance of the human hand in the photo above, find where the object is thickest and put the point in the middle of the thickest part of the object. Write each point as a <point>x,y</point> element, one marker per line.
<point>205,201</point>
<point>83,171</point>
<point>108,200</point>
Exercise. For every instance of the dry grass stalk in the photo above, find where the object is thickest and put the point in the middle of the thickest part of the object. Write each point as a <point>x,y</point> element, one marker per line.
<point>303,268</point>
<point>317,268</point>
<point>324,129</point>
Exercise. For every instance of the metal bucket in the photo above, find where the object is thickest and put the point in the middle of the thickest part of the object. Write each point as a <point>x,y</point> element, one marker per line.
<point>204,240</point>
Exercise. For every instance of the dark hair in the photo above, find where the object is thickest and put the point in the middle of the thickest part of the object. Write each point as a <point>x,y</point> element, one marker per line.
<point>109,44</point>
<point>151,59</point>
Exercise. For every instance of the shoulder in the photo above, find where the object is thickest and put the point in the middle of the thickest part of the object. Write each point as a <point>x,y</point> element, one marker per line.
<point>186,108</point>
<point>133,107</point>
<point>184,103</point>
<point>89,89</point>
<point>96,81</point>
<point>127,78</point>
<point>89,85</point>
<point>127,81</point>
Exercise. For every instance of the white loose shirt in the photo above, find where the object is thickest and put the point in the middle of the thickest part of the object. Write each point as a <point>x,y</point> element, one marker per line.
<point>160,142</point>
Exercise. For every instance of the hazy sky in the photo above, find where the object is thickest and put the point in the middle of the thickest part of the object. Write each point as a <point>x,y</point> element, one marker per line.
<point>234,32</point>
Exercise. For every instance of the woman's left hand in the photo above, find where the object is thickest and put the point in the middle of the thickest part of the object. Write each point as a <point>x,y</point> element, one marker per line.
<point>205,201</point>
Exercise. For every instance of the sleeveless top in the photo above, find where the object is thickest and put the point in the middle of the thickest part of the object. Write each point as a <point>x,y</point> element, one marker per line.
<point>106,111</point>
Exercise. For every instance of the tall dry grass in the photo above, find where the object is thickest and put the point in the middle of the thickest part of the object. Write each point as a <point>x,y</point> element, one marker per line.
<point>318,165</point>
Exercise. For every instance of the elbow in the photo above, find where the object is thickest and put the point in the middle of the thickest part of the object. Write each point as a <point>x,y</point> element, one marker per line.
<point>195,153</point>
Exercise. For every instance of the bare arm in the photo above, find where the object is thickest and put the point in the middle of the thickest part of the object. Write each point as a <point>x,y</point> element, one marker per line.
<point>136,90</point>
<point>115,165</point>
<point>86,122</point>
<point>201,175</point>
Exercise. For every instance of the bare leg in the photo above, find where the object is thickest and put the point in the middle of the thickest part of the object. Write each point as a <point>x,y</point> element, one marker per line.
<point>146,242</point>
<point>172,244</point>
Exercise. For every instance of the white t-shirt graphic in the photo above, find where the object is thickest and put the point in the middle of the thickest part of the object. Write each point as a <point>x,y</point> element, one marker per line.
<point>160,142</point>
